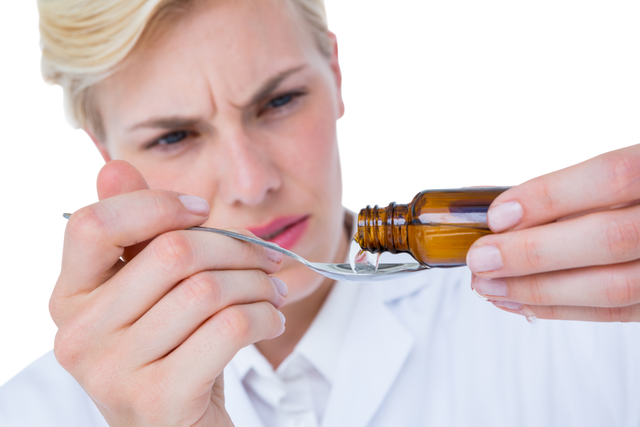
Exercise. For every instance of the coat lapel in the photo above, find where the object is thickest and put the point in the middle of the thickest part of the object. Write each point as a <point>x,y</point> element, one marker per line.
<point>239,406</point>
<point>376,347</point>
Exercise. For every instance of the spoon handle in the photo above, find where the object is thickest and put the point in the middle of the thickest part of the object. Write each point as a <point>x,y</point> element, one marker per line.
<point>244,238</point>
<point>255,240</point>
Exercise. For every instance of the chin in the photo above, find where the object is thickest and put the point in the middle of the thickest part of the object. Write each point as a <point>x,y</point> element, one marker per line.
<point>301,281</point>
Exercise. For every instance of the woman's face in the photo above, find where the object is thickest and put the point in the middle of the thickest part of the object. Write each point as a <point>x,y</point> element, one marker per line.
<point>235,103</point>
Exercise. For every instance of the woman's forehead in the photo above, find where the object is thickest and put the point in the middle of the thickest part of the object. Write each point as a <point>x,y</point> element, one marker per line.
<point>240,21</point>
<point>225,47</point>
<point>233,39</point>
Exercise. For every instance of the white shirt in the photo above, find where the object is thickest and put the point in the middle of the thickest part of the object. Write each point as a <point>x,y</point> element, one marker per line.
<point>420,351</point>
<point>296,394</point>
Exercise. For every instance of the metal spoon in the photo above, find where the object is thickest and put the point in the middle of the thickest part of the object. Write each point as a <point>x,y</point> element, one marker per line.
<point>330,270</point>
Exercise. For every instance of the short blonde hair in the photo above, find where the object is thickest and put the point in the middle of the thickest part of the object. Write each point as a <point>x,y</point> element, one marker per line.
<point>85,41</point>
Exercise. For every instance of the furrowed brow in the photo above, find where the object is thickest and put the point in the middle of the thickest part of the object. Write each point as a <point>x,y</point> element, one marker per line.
<point>171,122</point>
<point>178,122</point>
<point>271,85</point>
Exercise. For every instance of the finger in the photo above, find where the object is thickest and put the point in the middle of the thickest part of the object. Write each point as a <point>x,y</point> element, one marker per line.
<point>96,235</point>
<point>169,259</point>
<point>629,313</point>
<point>579,214</point>
<point>603,286</point>
<point>176,316</point>
<point>604,181</point>
<point>204,355</point>
<point>119,177</point>
<point>601,238</point>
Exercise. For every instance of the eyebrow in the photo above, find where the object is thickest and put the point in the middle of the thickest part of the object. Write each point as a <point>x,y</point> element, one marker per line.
<point>175,122</point>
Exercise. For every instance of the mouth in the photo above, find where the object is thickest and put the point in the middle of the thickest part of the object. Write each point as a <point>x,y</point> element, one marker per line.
<point>277,226</point>
<point>284,231</point>
<point>276,233</point>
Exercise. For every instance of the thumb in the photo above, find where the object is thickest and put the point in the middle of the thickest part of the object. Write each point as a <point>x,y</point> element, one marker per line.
<point>119,177</point>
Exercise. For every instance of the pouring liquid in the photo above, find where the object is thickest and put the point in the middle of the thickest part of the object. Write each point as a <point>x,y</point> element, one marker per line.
<point>361,261</point>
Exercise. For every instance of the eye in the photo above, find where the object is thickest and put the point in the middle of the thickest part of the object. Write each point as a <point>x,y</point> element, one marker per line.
<point>170,141</point>
<point>171,138</point>
<point>281,103</point>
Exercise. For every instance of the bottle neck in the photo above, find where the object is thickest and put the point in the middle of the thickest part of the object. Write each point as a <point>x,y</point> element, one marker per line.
<point>383,229</point>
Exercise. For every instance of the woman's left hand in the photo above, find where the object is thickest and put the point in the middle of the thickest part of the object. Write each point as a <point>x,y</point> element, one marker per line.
<point>568,243</point>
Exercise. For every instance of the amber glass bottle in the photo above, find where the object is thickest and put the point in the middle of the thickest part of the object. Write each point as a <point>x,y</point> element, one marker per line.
<point>436,228</point>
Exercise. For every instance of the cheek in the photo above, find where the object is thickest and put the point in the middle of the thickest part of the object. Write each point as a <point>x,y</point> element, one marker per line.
<point>312,154</point>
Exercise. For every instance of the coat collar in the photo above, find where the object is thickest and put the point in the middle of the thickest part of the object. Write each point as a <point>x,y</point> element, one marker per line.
<point>376,347</point>
<point>240,408</point>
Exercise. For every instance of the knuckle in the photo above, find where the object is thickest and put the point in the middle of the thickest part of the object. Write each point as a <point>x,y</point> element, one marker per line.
<point>544,195</point>
<point>264,281</point>
<point>612,314</point>
<point>622,238</point>
<point>249,250</point>
<point>201,289</point>
<point>246,250</point>
<point>162,209</point>
<point>234,324</point>
<point>537,292</point>
<point>69,347</point>
<point>173,250</point>
<point>623,289</point>
<point>52,306</point>
<point>554,312</point>
<point>531,254</point>
<point>86,225</point>
<point>622,169</point>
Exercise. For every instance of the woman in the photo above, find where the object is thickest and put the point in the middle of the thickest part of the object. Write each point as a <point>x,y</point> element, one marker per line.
<point>223,113</point>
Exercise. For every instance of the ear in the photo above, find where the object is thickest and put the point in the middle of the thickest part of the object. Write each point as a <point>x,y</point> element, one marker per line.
<point>99,145</point>
<point>337,73</point>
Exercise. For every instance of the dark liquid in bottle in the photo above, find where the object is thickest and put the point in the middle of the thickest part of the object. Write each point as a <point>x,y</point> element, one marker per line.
<point>436,228</point>
<point>443,245</point>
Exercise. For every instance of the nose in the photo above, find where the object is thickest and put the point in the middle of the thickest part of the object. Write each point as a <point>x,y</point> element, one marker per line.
<point>250,174</point>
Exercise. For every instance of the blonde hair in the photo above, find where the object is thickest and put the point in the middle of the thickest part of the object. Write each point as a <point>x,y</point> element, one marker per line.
<point>85,41</point>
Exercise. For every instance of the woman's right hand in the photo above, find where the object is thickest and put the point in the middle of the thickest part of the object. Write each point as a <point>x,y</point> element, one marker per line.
<point>148,337</point>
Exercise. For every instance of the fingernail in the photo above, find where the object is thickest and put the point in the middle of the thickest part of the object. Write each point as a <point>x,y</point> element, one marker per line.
<point>484,258</point>
<point>483,298</point>
<point>504,216</point>
<point>528,314</point>
<point>282,329</point>
<point>490,287</point>
<point>273,255</point>
<point>195,205</point>
<point>280,286</point>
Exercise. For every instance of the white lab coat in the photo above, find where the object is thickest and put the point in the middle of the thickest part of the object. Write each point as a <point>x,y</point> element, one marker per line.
<point>423,351</point>
<point>428,352</point>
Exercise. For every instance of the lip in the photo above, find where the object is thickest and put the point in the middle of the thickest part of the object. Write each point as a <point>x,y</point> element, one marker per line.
<point>291,235</point>
<point>275,225</point>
